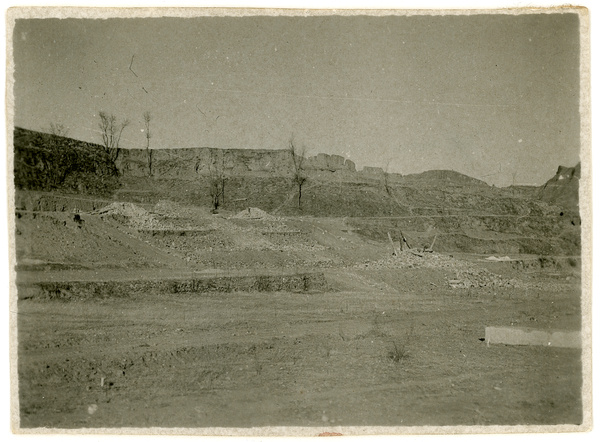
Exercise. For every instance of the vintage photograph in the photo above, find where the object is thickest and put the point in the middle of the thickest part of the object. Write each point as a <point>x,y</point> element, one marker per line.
<point>260,222</point>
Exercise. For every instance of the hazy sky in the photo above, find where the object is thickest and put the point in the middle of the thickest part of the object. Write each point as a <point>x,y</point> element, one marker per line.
<point>493,96</point>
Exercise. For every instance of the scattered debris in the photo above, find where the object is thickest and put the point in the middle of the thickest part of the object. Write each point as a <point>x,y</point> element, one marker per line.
<point>403,241</point>
<point>167,207</point>
<point>472,277</point>
<point>412,259</point>
<point>254,213</point>
<point>395,252</point>
<point>467,275</point>
<point>136,216</point>
<point>430,248</point>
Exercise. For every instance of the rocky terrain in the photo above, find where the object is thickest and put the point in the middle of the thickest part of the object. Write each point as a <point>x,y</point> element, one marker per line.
<point>563,188</point>
<point>139,305</point>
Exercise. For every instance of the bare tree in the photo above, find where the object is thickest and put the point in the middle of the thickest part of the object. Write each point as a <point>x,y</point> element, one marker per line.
<point>216,171</point>
<point>217,179</point>
<point>298,158</point>
<point>386,179</point>
<point>147,118</point>
<point>58,159</point>
<point>111,134</point>
<point>59,130</point>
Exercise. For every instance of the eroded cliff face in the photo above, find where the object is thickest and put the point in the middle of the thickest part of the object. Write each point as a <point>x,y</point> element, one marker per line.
<point>189,162</point>
<point>563,188</point>
<point>265,179</point>
<point>331,163</point>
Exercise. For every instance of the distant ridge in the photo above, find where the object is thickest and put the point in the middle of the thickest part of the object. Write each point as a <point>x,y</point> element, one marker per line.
<point>449,176</point>
<point>264,178</point>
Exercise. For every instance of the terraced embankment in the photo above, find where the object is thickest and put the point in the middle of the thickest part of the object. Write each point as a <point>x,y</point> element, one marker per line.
<point>123,288</point>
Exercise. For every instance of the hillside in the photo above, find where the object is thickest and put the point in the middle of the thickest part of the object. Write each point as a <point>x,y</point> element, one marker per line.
<point>563,188</point>
<point>264,178</point>
<point>461,213</point>
<point>442,178</point>
<point>49,162</point>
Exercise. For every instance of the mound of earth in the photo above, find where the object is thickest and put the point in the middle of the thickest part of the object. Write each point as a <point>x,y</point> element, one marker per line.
<point>445,176</point>
<point>65,240</point>
<point>136,216</point>
<point>176,210</point>
<point>254,213</point>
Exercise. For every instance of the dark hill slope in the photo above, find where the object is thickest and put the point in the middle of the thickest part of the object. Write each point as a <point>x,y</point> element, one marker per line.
<point>442,178</point>
<point>259,178</point>
<point>563,188</point>
<point>49,162</point>
<point>459,212</point>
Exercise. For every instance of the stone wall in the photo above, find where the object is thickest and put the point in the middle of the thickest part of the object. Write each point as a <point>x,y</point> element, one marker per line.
<point>69,290</point>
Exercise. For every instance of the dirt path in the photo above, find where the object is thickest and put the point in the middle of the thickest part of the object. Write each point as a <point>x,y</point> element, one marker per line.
<point>396,354</point>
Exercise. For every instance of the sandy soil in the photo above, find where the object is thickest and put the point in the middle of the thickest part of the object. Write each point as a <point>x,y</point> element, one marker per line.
<point>391,341</point>
<point>385,348</point>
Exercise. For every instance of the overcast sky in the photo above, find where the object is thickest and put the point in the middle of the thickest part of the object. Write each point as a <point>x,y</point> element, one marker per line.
<point>493,96</point>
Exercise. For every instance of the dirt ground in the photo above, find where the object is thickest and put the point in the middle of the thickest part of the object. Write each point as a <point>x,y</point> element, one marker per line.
<point>403,353</point>
<point>390,342</point>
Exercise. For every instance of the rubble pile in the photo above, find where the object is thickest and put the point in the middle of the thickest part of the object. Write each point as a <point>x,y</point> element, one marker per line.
<point>408,259</point>
<point>136,216</point>
<point>168,208</point>
<point>254,213</point>
<point>175,210</point>
<point>469,278</point>
<point>467,275</point>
